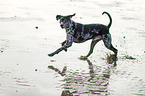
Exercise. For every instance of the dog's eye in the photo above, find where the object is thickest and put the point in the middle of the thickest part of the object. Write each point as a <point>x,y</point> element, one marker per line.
<point>62,20</point>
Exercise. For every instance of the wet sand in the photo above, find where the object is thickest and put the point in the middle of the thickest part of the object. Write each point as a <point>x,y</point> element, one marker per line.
<point>29,31</point>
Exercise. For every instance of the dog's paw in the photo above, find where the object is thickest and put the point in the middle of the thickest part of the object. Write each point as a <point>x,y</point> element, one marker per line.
<point>51,67</point>
<point>65,50</point>
<point>50,55</point>
<point>83,58</point>
<point>111,58</point>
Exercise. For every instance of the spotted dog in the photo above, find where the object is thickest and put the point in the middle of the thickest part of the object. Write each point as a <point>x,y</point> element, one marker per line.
<point>79,33</point>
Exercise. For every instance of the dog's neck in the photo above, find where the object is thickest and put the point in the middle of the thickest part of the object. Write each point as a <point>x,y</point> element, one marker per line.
<point>71,26</point>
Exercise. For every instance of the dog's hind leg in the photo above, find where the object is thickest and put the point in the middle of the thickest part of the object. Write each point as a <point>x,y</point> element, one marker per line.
<point>95,40</point>
<point>107,42</point>
<point>93,43</point>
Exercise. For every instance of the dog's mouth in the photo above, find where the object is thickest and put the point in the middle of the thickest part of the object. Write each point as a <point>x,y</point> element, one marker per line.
<point>62,26</point>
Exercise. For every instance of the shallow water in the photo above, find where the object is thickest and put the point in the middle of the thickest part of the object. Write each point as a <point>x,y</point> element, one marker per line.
<point>26,70</point>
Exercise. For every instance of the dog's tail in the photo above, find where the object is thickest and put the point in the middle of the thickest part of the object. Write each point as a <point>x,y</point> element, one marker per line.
<point>110,23</point>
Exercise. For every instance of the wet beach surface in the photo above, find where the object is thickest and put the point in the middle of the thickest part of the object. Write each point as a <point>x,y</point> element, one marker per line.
<point>29,31</point>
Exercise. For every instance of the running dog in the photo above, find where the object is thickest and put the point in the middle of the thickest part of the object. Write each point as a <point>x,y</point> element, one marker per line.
<point>79,33</point>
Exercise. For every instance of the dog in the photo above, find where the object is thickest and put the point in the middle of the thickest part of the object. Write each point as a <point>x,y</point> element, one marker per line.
<point>79,33</point>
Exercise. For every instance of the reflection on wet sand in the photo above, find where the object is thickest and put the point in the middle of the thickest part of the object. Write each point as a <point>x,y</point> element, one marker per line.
<point>79,84</point>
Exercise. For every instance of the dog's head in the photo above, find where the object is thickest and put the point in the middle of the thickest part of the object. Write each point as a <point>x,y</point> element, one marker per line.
<point>64,20</point>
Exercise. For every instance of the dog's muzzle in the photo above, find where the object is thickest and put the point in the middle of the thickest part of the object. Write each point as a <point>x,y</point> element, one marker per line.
<point>61,26</point>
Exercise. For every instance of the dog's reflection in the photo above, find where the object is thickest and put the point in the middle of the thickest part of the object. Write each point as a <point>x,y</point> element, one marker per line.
<point>79,84</point>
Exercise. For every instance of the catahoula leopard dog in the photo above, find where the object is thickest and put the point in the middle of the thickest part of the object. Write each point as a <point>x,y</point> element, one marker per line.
<point>79,33</point>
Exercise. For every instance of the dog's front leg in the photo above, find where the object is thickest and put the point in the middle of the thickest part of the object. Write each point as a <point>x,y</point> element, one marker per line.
<point>63,44</point>
<point>56,52</point>
<point>60,49</point>
<point>68,44</point>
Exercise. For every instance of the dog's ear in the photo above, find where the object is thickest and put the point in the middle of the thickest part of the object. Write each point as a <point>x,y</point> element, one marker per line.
<point>72,15</point>
<point>58,17</point>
